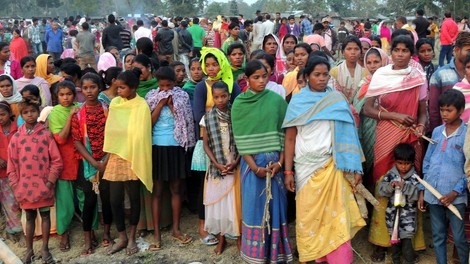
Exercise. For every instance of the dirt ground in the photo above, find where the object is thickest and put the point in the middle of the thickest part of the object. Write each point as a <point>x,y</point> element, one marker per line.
<point>173,253</point>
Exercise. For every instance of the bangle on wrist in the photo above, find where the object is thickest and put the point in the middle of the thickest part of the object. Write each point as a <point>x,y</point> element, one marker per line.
<point>280,165</point>
<point>257,170</point>
<point>288,172</point>
<point>378,115</point>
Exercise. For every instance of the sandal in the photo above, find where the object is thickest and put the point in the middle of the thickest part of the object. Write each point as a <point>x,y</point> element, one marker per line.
<point>29,260</point>
<point>156,247</point>
<point>49,260</point>
<point>87,252</point>
<point>64,247</point>
<point>209,240</point>
<point>132,251</point>
<point>183,239</point>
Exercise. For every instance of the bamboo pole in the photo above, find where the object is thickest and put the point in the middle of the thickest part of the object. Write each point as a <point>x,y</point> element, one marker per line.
<point>7,256</point>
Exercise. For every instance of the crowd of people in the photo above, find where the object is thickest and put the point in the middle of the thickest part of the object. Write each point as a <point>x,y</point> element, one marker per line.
<point>251,124</point>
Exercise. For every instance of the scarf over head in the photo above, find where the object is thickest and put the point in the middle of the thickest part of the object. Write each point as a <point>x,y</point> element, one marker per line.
<point>280,66</point>
<point>387,80</point>
<point>364,84</point>
<point>41,70</point>
<point>212,120</point>
<point>15,96</point>
<point>184,122</point>
<point>308,106</point>
<point>128,134</point>
<point>106,61</point>
<point>225,74</point>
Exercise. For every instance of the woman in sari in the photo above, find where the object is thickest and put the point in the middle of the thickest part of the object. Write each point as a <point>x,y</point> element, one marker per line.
<point>45,69</point>
<point>318,111</point>
<point>264,221</point>
<point>18,46</point>
<point>10,94</point>
<point>28,67</point>
<point>288,43</point>
<point>216,67</point>
<point>373,60</point>
<point>399,106</point>
<point>301,54</point>
<point>7,66</point>
<point>347,75</point>
<point>272,46</point>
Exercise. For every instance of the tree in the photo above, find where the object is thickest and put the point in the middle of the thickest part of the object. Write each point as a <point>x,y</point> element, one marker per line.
<point>182,8</point>
<point>214,9</point>
<point>233,8</point>
<point>47,4</point>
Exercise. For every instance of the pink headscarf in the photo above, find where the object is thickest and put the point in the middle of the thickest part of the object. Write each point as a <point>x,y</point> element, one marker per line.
<point>106,61</point>
<point>366,40</point>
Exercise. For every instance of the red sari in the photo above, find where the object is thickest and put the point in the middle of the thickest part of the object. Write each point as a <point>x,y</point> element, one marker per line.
<point>18,49</point>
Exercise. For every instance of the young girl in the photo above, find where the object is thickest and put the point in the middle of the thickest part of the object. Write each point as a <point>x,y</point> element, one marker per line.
<point>130,162</point>
<point>10,208</point>
<point>195,76</point>
<point>301,53</point>
<point>109,77</point>
<point>172,135</point>
<point>73,73</point>
<point>88,135</point>
<point>60,123</point>
<point>268,62</point>
<point>261,242</point>
<point>28,66</point>
<point>34,165</point>
<point>9,93</point>
<point>215,65</point>
<point>222,186</point>
<point>180,72</point>
<point>290,61</point>
<point>425,56</point>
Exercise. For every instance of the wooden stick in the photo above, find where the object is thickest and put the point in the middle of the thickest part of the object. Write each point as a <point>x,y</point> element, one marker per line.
<point>362,190</point>
<point>438,195</point>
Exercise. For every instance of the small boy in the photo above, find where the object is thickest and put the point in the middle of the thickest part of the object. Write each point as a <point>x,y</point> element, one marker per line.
<point>443,168</point>
<point>401,175</point>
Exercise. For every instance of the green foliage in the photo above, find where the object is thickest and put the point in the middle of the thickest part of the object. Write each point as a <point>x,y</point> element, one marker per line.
<point>214,9</point>
<point>233,8</point>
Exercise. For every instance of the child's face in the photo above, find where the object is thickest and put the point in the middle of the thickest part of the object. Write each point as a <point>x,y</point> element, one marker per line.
<point>166,85</point>
<point>221,98</point>
<point>124,90</point>
<point>403,166</point>
<point>301,82</point>
<point>65,96</point>
<point>467,71</point>
<point>450,114</point>
<point>30,114</point>
<point>290,61</point>
<point>90,90</point>
<point>425,53</point>
<point>4,117</point>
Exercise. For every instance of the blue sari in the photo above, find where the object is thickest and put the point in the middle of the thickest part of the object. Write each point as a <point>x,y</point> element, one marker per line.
<point>260,245</point>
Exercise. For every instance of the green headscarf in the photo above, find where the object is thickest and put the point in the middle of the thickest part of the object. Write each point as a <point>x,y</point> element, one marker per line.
<point>146,86</point>
<point>225,73</point>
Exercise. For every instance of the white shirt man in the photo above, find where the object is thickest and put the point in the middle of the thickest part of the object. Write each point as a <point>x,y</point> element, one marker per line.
<point>142,31</point>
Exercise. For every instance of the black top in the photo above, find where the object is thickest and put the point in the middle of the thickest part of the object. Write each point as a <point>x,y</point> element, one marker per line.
<point>422,25</point>
<point>112,36</point>
<point>163,38</point>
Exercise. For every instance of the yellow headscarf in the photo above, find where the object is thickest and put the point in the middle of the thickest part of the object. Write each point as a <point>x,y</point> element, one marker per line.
<point>41,69</point>
<point>225,74</point>
<point>123,139</point>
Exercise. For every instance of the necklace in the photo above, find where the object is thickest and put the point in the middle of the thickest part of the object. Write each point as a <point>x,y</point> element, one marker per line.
<point>29,131</point>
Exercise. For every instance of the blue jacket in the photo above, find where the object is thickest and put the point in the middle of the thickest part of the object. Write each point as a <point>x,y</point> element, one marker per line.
<point>443,166</point>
